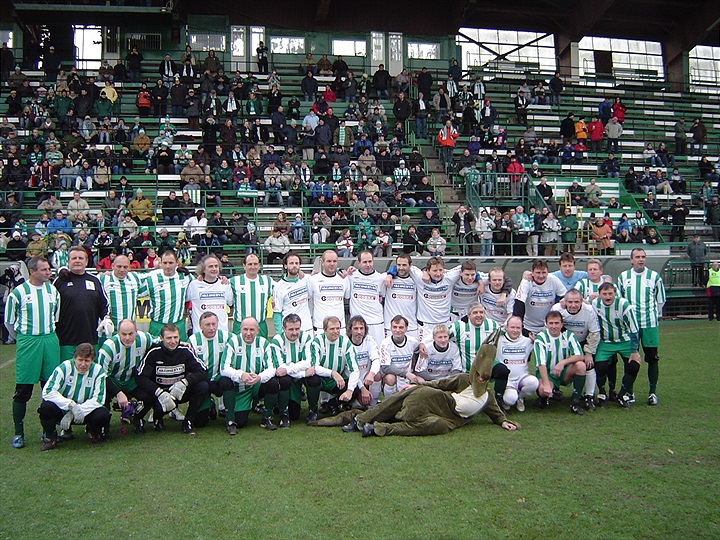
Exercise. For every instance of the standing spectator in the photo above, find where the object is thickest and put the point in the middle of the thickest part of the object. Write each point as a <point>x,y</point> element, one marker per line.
<point>618,110</point>
<point>134,64</point>
<point>436,244</point>
<point>613,130</point>
<point>697,252</point>
<point>678,214</point>
<point>262,57</point>
<point>568,231</point>
<point>596,130</point>
<point>567,127</point>
<point>463,218</point>
<point>556,88</point>
<point>7,62</point>
<point>446,137</point>
<point>521,104</point>
<point>680,137</point>
<point>51,64</point>
<point>712,218</point>
<point>381,82</point>
<point>421,111</point>
<point>699,137</point>
<point>425,82</point>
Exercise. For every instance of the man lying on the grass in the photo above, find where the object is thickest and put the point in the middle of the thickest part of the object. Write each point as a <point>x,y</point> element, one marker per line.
<point>434,407</point>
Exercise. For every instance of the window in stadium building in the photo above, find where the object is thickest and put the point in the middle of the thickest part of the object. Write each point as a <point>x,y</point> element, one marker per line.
<point>349,47</point>
<point>287,45</point>
<point>88,44</point>
<point>525,50</point>
<point>205,42</point>
<point>631,59</point>
<point>423,51</point>
<point>704,68</point>
<point>237,41</point>
<point>6,36</point>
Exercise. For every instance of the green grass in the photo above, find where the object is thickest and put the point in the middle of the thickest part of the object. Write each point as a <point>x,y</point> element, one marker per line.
<point>641,473</point>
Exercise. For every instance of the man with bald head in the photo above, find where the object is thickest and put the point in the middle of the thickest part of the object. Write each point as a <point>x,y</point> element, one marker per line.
<point>122,289</point>
<point>247,364</point>
<point>119,356</point>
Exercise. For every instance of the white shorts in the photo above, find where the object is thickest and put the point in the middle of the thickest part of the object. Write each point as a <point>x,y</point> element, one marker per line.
<point>517,382</point>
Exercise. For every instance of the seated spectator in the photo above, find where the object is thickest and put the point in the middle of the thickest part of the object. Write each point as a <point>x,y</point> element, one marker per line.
<point>436,244</point>
<point>632,181</point>
<point>677,182</point>
<point>650,156</point>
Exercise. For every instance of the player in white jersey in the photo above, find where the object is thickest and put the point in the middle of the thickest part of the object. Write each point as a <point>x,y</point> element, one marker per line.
<point>366,291</point>
<point>581,320</point>
<point>513,380</point>
<point>465,290</point>
<point>122,289</point>
<point>619,335</point>
<point>536,297</point>
<point>645,290</point>
<point>32,309</point>
<point>250,293</point>
<point>401,296</point>
<point>75,394</point>
<point>440,361</point>
<point>119,356</point>
<point>327,292</point>
<point>209,293</point>
<point>497,300</point>
<point>333,358</point>
<point>468,336</point>
<point>589,286</point>
<point>434,294</point>
<point>209,343</point>
<point>167,288</point>
<point>559,361</point>
<point>291,294</point>
<point>368,360</point>
<point>291,345</point>
<point>396,356</point>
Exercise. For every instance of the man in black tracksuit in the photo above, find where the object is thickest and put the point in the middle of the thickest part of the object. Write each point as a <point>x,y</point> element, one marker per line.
<point>170,374</point>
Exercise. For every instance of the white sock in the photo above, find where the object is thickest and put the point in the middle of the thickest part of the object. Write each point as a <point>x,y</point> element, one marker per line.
<point>590,380</point>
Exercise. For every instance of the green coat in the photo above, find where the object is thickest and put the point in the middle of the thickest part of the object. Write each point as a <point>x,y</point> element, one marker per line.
<point>571,222</point>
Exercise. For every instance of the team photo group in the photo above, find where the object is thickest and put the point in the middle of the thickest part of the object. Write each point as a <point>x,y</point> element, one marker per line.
<point>415,350</point>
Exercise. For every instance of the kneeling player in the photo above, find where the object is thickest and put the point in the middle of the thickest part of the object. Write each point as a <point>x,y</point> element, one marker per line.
<point>75,394</point>
<point>170,374</point>
<point>396,356</point>
<point>441,359</point>
<point>513,381</point>
<point>368,360</point>
<point>559,360</point>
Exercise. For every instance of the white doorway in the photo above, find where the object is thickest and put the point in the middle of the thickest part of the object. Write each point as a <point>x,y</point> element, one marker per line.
<point>88,42</point>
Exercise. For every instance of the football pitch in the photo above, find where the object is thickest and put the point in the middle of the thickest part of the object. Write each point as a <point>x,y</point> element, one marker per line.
<point>646,472</point>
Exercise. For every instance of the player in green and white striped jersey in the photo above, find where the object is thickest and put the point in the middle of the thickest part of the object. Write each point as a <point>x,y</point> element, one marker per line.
<point>74,394</point>
<point>468,336</point>
<point>559,361</point>
<point>247,364</point>
<point>618,335</point>
<point>122,289</point>
<point>166,288</point>
<point>210,344</point>
<point>250,294</point>
<point>590,285</point>
<point>645,290</point>
<point>119,356</point>
<point>290,358</point>
<point>333,360</point>
<point>32,310</point>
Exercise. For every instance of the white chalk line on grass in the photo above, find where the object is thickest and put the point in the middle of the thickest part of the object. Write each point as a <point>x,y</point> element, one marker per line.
<point>6,364</point>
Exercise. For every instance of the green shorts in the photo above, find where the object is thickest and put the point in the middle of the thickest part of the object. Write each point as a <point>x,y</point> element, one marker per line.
<point>650,337</point>
<point>124,386</point>
<point>68,351</point>
<point>328,384</point>
<point>244,398</point>
<point>156,326</point>
<point>557,381</point>
<point>607,350</point>
<point>261,324</point>
<point>36,357</point>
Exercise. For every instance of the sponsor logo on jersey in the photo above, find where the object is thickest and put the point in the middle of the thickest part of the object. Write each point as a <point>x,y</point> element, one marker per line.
<point>210,295</point>
<point>211,307</point>
<point>410,297</point>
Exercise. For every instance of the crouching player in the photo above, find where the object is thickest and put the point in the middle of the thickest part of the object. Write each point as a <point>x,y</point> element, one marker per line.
<point>618,335</point>
<point>209,346</point>
<point>440,360</point>
<point>560,361</point>
<point>119,356</point>
<point>396,356</point>
<point>246,363</point>
<point>513,381</point>
<point>75,394</point>
<point>170,374</point>
<point>367,355</point>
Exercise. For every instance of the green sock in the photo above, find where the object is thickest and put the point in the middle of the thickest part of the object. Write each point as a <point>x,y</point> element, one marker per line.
<point>578,386</point>
<point>313,396</point>
<point>229,402</point>
<point>19,410</point>
<point>270,402</point>
<point>653,372</point>
<point>500,386</point>
<point>283,400</point>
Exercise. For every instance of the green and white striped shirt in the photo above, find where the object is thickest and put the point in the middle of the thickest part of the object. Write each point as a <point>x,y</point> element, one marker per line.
<point>338,356</point>
<point>119,361</point>
<point>250,296</point>
<point>617,321</point>
<point>167,296</point>
<point>468,338</point>
<point>241,357</point>
<point>33,311</point>
<point>646,292</point>
<point>66,384</point>
<point>587,287</point>
<point>122,295</point>
<point>210,351</point>
<point>549,350</point>
<point>292,355</point>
